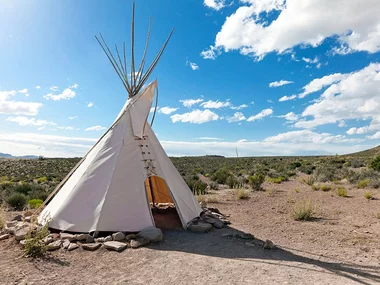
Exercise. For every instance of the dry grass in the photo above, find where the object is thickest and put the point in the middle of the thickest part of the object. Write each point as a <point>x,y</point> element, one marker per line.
<point>325,188</point>
<point>2,217</point>
<point>202,199</point>
<point>303,210</point>
<point>241,194</point>
<point>212,199</point>
<point>368,195</point>
<point>341,191</point>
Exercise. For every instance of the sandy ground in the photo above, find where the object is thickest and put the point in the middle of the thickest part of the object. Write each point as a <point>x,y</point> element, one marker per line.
<point>340,246</point>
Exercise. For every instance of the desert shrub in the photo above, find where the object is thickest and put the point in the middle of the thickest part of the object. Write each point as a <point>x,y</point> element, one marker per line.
<point>232,182</point>
<point>307,168</point>
<point>325,173</point>
<point>363,183</point>
<point>207,175</point>
<point>341,191</point>
<point>295,165</point>
<point>220,176</point>
<point>241,194</point>
<point>42,179</point>
<point>256,181</point>
<point>40,194</point>
<point>35,203</point>
<point>309,180</point>
<point>325,187</point>
<point>17,201</point>
<point>34,245</point>
<point>291,173</point>
<point>197,187</point>
<point>356,163</point>
<point>277,180</point>
<point>214,186</point>
<point>202,200</point>
<point>375,183</point>
<point>2,217</point>
<point>368,195</point>
<point>212,199</point>
<point>23,188</point>
<point>375,163</point>
<point>303,210</point>
<point>315,187</point>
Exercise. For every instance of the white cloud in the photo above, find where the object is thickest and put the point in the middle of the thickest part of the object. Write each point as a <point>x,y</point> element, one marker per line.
<point>67,94</point>
<point>54,88</point>
<point>280,83</point>
<point>24,121</point>
<point>95,128</point>
<point>259,116</point>
<point>375,136</point>
<point>193,65</point>
<point>38,87</point>
<point>356,96</point>
<point>242,141</point>
<point>319,83</point>
<point>167,110</point>
<point>373,126</point>
<point>290,116</point>
<point>242,106</point>
<point>341,50</point>
<point>191,102</point>
<point>211,53</point>
<point>67,128</point>
<point>237,117</point>
<point>210,139</point>
<point>75,86</point>
<point>19,108</point>
<point>153,108</point>
<point>90,104</point>
<point>309,60</point>
<point>73,117</point>
<point>195,117</point>
<point>214,4</point>
<point>24,91</point>
<point>287,98</point>
<point>247,30</point>
<point>4,95</point>
<point>215,104</point>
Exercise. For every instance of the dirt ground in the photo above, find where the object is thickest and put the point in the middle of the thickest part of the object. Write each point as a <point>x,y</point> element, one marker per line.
<point>340,246</point>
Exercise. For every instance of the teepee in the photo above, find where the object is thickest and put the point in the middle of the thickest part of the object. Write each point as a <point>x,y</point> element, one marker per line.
<point>127,172</point>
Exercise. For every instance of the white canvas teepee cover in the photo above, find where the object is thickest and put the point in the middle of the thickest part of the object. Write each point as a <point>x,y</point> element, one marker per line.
<point>107,191</point>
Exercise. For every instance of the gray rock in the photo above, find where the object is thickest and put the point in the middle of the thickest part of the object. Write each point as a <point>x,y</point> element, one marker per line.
<point>228,235</point>
<point>17,218</point>
<point>23,242</point>
<point>90,239</point>
<point>218,224</point>
<point>108,238</point>
<point>130,236</point>
<point>54,245</point>
<point>11,224</point>
<point>245,236</point>
<point>67,236</point>
<point>48,239</point>
<point>152,234</point>
<point>66,244</point>
<point>269,244</point>
<point>20,233</point>
<point>119,236</point>
<point>101,239</point>
<point>5,236</point>
<point>28,219</point>
<point>91,246</point>
<point>115,245</point>
<point>139,242</point>
<point>72,246</point>
<point>81,237</point>
<point>200,227</point>
<point>209,220</point>
<point>10,230</point>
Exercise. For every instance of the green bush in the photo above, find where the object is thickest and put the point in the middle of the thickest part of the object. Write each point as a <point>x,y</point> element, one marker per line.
<point>34,246</point>
<point>341,191</point>
<point>375,163</point>
<point>325,188</point>
<point>363,183</point>
<point>196,186</point>
<point>214,186</point>
<point>220,176</point>
<point>256,181</point>
<point>35,203</point>
<point>277,180</point>
<point>17,201</point>
<point>23,188</point>
<point>368,195</point>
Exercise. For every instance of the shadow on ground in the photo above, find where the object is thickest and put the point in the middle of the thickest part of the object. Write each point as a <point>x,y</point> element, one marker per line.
<point>213,244</point>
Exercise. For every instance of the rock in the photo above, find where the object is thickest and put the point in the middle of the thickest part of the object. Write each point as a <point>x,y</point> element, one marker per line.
<point>91,246</point>
<point>250,244</point>
<point>152,234</point>
<point>119,236</point>
<point>48,239</point>
<point>28,219</point>
<point>17,218</point>
<point>108,238</point>
<point>269,244</point>
<point>115,245</point>
<point>81,237</point>
<point>90,239</point>
<point>228,235</point>
<point>72,246</point>
<point>66,244</point>
<point>20,233</point>
<point>209,220</point>
<point>10,230</point>
<point>245,236</point>
<point>139,242</point>
<point>5,236</point>
<point>11,224</point>
<point>218,224</point>
<point>130,236</point>
<point>101,239</point>
<point>23,242</point>
<point>54,245</point>
<point>200,227</point>
<point>67,236</point>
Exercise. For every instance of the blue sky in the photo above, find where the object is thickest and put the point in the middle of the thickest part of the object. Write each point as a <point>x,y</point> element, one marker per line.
<point>268,77</point>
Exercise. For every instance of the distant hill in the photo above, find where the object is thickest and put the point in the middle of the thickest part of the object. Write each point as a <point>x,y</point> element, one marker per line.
<point>367,153</point>
<point>7,155</point>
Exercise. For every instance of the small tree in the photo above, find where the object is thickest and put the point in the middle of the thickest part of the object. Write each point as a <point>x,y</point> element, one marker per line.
<point>375,163</point>
<point>256,181</point>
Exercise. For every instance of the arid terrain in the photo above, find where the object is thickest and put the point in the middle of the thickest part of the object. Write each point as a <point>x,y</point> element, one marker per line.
<point>338,244</point>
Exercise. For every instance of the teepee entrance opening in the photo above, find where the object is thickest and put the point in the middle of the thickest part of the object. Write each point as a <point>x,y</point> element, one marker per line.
<point>163,208</point>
